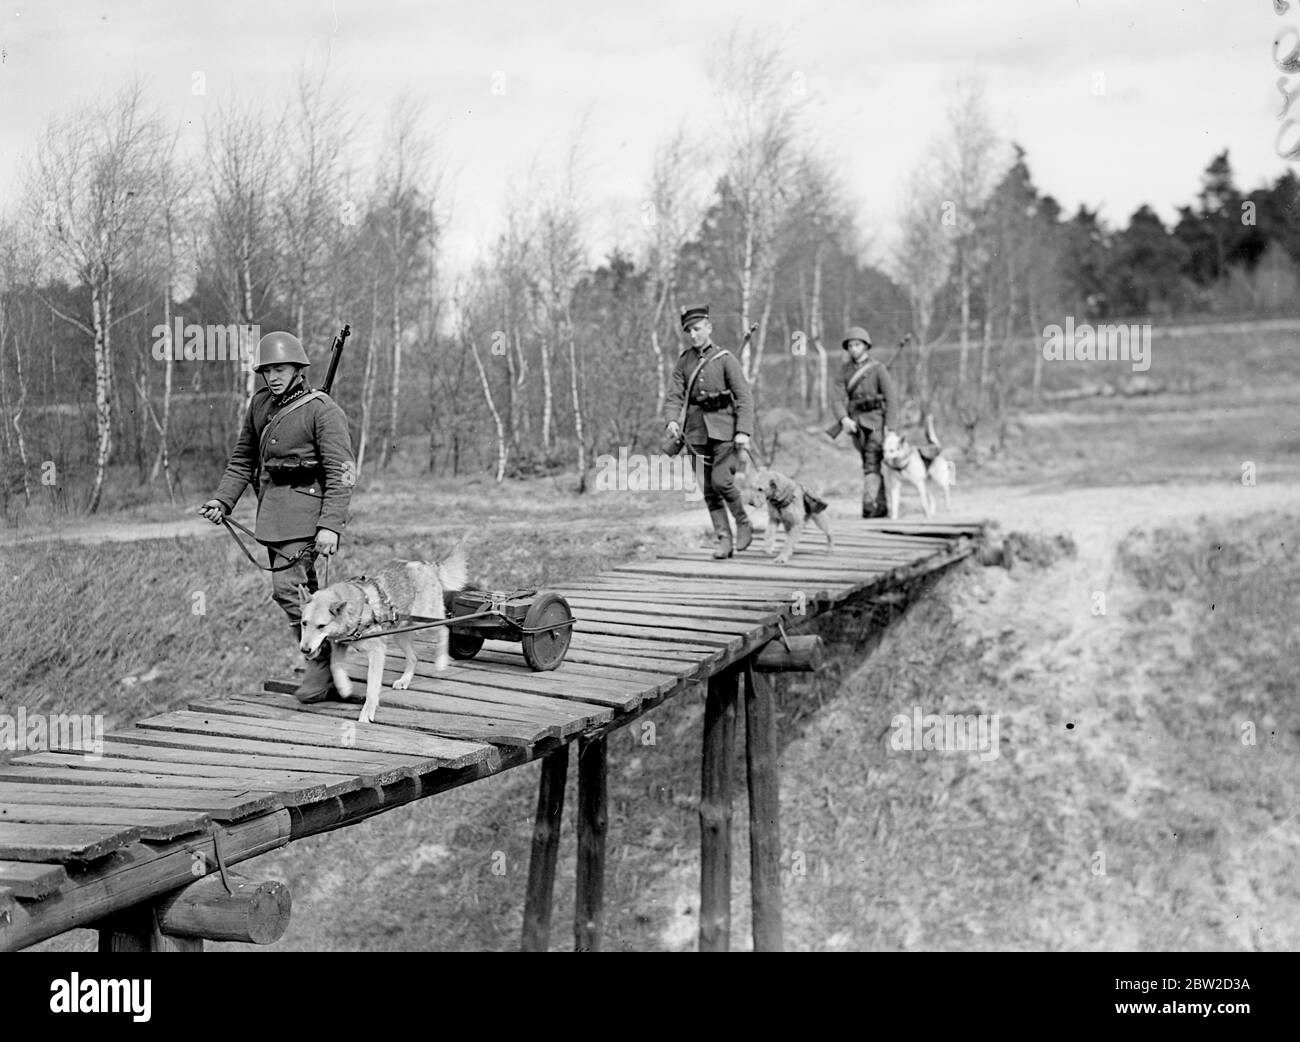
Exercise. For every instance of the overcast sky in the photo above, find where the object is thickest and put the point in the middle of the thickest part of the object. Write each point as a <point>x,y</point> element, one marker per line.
<point>1182,80</point>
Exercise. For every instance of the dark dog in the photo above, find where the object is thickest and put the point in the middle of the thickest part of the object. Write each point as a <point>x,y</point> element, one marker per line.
<point>790,506</point>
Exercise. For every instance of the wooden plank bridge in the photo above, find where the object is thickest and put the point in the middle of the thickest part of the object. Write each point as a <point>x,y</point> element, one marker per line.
<point>117,842</point>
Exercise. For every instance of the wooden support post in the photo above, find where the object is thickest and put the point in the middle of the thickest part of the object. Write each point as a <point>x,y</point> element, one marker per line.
<point>546,848</point>
<point>764,812</point>
<point>589,905</point>
<point>715,811</point>
<point>112,939</point>
<point>256,913</point>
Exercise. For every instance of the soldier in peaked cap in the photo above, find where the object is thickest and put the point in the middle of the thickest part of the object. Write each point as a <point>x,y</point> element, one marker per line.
<point>869,407</point>
<point>709,404</point>
<point>295,446</point>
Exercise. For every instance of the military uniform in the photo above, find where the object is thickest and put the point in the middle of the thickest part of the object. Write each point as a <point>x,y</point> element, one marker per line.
<point>870,404</point>
<point>721,406</point>
<point>301,460</point>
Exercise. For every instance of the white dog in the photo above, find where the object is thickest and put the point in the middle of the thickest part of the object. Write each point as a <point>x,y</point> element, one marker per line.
<point>351,610</point>
<point>905,462</point>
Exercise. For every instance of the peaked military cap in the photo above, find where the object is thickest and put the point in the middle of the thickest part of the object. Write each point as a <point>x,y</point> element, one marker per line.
<point>690,315</point>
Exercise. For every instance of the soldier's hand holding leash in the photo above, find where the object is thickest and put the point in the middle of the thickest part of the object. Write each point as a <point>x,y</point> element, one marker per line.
<point>213,511</point>
<point>741,440</point>
<point>847,425</point>
<point>327,542</point>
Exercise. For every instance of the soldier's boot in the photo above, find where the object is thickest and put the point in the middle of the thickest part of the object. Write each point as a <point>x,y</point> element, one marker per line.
<point>744,527</point>
<point>873,498</point>
<point>722,532</point>
<point>317,684</point>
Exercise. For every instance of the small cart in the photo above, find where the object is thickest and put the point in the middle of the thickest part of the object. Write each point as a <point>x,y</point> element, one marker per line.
<point>540,621</point>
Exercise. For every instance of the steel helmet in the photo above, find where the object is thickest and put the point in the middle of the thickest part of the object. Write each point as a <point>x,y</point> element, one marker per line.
<point>856,333</point>
<point>275,348</point>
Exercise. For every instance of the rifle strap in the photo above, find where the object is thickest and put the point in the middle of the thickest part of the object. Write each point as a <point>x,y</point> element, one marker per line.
<point>681,420</point>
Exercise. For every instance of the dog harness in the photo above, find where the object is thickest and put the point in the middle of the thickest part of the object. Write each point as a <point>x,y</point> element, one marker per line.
<point>782,491</point>
<point>382,612</point>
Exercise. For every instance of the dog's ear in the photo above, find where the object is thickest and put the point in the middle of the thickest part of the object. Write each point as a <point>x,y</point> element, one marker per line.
<point>337,607</point>
<point>303,595</point>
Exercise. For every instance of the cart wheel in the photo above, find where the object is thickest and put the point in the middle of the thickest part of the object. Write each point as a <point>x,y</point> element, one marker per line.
<point>546,650</point>
<point>464,645</point>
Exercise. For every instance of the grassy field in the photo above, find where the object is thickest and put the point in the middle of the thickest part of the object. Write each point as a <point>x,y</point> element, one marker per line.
<point>1145,789</point>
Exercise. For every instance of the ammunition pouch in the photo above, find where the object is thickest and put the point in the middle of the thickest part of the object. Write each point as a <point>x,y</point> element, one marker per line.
<point>294,471</point>
<point>714,402</point>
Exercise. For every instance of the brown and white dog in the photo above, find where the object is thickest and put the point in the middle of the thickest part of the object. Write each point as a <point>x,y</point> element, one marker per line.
<point>905,462</point>
<point>790,506</point>
<point>348,610</point>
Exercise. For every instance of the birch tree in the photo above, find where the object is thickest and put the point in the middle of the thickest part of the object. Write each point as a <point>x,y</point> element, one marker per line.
<point>94,187</point>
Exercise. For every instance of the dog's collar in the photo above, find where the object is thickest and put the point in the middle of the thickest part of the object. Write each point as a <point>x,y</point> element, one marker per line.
<point>382,612</point>
<point>906,460</point>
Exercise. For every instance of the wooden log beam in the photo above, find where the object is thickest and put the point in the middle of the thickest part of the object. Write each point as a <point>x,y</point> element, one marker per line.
<point>136,875</point>
<point>764,813</point>
<point>715,811</point>
<point>256,913</point>
<point>804,655</point>
<point>589,904</point>
<point>546,848</point>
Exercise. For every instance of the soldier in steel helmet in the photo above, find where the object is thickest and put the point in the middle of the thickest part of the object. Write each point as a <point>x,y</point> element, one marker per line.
<point>869,408</point>
<point>710,405</point>
<point>294,443</point>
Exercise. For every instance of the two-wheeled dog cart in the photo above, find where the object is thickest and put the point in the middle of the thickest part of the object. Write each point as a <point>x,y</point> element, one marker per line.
<point>540,621</point>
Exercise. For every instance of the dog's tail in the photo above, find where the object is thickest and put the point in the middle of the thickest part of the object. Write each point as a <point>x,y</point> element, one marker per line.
<point>929,431</point>
<point>452,571</point>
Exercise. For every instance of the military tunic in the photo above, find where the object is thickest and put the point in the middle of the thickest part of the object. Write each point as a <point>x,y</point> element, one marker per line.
<point>293,501</point>
<point>872,406</point>
<point>721,407</point>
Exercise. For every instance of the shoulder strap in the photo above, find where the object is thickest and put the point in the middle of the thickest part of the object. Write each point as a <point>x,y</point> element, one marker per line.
<point>691,383</point>
<point>859,374</point>
<point>309,396</point>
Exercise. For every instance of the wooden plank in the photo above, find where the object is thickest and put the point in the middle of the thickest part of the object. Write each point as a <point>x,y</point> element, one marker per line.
<point>62,843</point>
<point>676,638</point>
<point>457,754</point>
<point>655,681</point>
<point>293,787</point>
<point>587,655</point>
<point>307,728</point>
<point>225,805</point>
<point>152,824</point>
<point>655,651</point>
<point>458,699</point>
<point>677,608</point>
<point>753,600</point>
<point>371,772</point>
<point>766,571</point>
<point>461,714</point>
<point>32,881</point>
<point>523,687</point>
<point>677,626</point>
<point>407,721</point>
